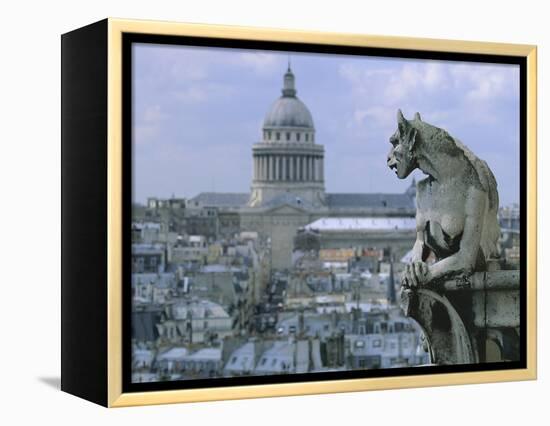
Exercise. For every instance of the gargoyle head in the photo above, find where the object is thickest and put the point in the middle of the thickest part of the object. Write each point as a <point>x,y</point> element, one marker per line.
<point>401,157</point>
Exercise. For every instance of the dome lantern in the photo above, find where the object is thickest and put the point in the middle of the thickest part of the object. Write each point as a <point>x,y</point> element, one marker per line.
<point>288,111</point>
<point>288,84</point>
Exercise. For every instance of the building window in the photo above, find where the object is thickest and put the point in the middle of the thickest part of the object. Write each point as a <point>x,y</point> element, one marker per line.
<point>307,137</point>
<point>287,136</point>
<point>359,344</point>
<point>376,343</point>
<point>312,138</point>
<point>278,136</point>
<point>269,134</point>
<point>298,137</point>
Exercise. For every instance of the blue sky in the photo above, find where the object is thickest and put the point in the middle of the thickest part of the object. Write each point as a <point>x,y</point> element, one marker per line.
<point>197,112</point>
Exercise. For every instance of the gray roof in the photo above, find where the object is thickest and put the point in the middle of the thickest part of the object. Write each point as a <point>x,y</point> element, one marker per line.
<point>144,325</point>
<point>363,223</point>
<point>288,112</point>
<point>395,201</point>
<point>338,200</point>
<point>222,199</point>
<point>289,199</point>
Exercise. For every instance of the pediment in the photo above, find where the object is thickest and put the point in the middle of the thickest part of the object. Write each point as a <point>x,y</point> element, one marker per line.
<point>285,209</point>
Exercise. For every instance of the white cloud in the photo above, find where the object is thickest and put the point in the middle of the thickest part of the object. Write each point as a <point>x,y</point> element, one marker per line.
<point>259,61</point>
<point>144,135</point>
<point>413,79</point>
<point>191,95</point>
<point>200,93</point>
<point>441,91</point>
<point>153,114</point>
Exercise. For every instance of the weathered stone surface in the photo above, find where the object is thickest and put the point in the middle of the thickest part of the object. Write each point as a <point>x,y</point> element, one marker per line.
<point>469,310</point>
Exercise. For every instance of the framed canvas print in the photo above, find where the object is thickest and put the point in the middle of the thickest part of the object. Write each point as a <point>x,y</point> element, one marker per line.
<point>255,212</point>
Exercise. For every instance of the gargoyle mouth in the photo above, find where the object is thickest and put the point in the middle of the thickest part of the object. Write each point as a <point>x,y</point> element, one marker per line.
<point>392,164</point>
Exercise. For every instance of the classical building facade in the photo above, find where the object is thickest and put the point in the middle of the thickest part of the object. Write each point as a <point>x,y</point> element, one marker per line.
<point>288,160</point>
<point>288,184</point>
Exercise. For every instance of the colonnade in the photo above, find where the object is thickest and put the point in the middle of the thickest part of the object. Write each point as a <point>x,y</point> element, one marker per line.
<point>295,168</point>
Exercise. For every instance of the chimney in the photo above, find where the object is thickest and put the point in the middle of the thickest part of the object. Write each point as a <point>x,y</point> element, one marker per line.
<point>390,294</point>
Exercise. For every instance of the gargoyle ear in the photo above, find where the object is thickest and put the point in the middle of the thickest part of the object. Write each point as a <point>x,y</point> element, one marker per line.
<point>402,123</point>
<point>412,139</point>
<point>417,116</point>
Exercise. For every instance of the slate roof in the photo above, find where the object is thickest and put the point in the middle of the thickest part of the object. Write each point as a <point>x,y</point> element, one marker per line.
<point>394,201</point>
<point>288,199</point>
<point>335,200</point>
<point>363,223</point>
<point>144,325</point>
<point>222,199</point>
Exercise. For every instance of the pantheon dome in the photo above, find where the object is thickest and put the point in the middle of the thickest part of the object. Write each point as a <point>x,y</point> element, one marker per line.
<point>288,118</point>
<point>288,164</point>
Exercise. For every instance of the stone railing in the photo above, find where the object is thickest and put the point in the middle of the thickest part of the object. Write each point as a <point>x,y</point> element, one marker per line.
<point>469,319</point>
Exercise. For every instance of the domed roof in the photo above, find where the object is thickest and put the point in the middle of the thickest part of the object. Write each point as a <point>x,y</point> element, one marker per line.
<point>288,110</point>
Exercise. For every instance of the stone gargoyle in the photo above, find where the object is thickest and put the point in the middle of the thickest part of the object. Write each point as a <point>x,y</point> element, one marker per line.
<point>457,203</point>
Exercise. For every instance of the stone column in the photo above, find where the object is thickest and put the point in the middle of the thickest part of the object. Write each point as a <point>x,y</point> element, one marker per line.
<point>277,161</point>
<point>318,169</point>
<point>315,169</point>
<point>285,159</point>
<point>261,167</point>
<point>291,167</point>
<point>272,167</point>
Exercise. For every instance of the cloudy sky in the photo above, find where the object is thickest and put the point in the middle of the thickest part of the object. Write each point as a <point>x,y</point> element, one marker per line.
<point>197,112</point>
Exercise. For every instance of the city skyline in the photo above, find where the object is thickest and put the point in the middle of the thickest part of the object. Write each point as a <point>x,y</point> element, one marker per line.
<point>198,111</point>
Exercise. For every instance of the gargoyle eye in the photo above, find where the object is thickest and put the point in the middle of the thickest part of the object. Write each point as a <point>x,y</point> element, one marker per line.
<point>394,140</point>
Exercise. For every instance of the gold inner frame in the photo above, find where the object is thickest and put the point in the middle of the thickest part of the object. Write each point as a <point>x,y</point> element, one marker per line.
<point>116,398</point>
